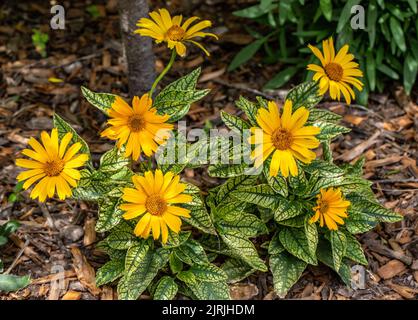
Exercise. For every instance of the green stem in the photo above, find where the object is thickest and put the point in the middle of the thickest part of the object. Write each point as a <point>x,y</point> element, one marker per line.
<point>162,74</point>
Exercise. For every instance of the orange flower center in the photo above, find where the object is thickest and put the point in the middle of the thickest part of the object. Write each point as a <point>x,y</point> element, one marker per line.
<point>155,205</point>
<point>175,33</point>
<point>334,71</point>
<point>323,206</point>
<point>54,168</point>
<point>282,139</point>
<point>136,123</point>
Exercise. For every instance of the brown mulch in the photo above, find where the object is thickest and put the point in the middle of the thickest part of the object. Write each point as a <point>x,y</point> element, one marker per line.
<point>57,239</point>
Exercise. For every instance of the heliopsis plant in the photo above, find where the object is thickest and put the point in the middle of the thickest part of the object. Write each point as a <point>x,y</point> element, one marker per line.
<point>338,72</point>
<point>286,137</point>
<point>172,30</point>
<point>284,203</point>
<point>137,128</point>
<point>52,167</point>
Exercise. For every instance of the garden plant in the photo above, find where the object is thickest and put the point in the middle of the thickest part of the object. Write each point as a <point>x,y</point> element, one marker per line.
<point>284,203</point>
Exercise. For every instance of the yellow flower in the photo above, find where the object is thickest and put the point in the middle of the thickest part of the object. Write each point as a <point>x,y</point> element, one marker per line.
<point>286,137</point>
<point>164,28</point>
<point>338,71</point>
<point>153,198</point>
<point>140,127</point>
<point>331,207</point>
<point>53,164</point>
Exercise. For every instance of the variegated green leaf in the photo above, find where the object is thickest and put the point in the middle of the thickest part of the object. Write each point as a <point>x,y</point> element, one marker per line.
<point>109,272</point>
<point>227,170</point>
<point>236,270</point>
<point>210,290</point>
<point>286,270</point>
<point>122,237</point>
<point>132,285</point>
<point>199,217</point>
<point>324,254</point>
<point>166,289</point>
<point>113,160</point>
<point>329,130</point>
<point>176,99</point>
<point>311,233</point>
<point>246,224</point>
<point>295,242</point>
<point>262,195</point>
<point>231,185</point>
<point>360,204</point>
<point>305,95</point>
<point>287,209</point>
<point>234,123</point>
<point>243,248</point>
<point>275,246</point>
<point>249,109</point>
<point>135,255</point>
<point>277,183</point>
<point>354,250</point>
<point>102,101</point>
<point>191,252</point>
<point>109,214</point>
<point>323,115</point>
<point>339,247</point>
<point>208,273</point>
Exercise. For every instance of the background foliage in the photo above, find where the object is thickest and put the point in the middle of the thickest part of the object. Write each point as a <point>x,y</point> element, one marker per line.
<point>386,49</point>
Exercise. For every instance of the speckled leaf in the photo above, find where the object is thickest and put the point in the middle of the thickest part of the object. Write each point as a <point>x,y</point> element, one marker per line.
<point>275,246</point>
<point>243,248</point>
<point>231,185</point>
<point>236,270</point>
<point>339,246</point>
<point>311,233</point>
<point>199,217</point>
<point>109,272</point>
<point>191,252</point>
<point>329,130</point>
<point>295,242</point>
<point>304,95</point>
<point>227,170</point>
<point>102,101</point>
<point>109,214</point>
<point>135,255</point>
<point>166,289</point>
<point>371,209</point>
<point>176,99</point>
<point>262,195</point>
<point>324,115</point>
<point>354,250</point>
<point>113,160</point>
<point>246,224</point>
<point>234,123</point>
<point>122,237</point>
<point>249,109</point>
<point>210,290</point>
<point>208,272</point>
<point>287,209</point>
<point>286,270</point>
<point>132,285</point>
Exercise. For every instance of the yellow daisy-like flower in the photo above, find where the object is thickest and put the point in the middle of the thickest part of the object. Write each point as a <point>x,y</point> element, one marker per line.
<point>338,71</point>
<point>153,198</point>
<point>53,164</point>
<point>285,137</point>
<point>331,208</point>
<point>164,28</point>
<point>140,127</point>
